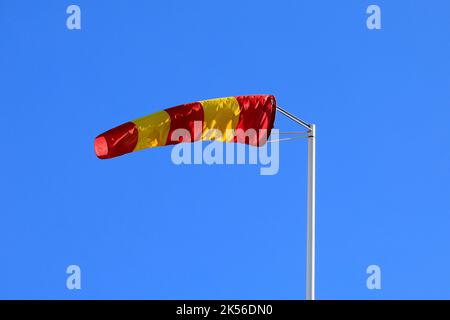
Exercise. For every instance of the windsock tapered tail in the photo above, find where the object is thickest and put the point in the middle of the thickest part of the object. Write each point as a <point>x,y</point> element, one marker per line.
<point>243,119</point>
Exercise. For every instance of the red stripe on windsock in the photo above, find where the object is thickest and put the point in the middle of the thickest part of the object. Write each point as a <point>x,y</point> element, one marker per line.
<point>117,141</point>
<point>184,117</point>
<point>258,113</point>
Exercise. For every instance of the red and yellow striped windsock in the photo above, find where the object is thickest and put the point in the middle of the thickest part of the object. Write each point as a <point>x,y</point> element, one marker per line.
<point>202,120</point>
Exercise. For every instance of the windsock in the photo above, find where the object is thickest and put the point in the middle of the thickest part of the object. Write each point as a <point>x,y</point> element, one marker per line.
<point>242,119</point>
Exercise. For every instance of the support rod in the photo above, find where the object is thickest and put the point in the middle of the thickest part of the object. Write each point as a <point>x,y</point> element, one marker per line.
<point>293,118</point>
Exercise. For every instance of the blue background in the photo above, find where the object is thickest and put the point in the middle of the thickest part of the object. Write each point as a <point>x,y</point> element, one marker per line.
<point>141,227</point>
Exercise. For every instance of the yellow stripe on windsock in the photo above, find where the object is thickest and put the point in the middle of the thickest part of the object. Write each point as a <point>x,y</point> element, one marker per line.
<point>221,114</point>
<point>152,130</point>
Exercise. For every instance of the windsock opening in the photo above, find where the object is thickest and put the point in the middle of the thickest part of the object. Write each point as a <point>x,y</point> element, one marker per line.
<point>101,147</point>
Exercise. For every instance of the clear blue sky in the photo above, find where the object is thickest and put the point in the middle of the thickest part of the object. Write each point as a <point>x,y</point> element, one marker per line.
<point>141,227</point>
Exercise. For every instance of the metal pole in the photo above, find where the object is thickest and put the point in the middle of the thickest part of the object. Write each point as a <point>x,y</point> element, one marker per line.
<point>311,236</point>
<point>311,207</point>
